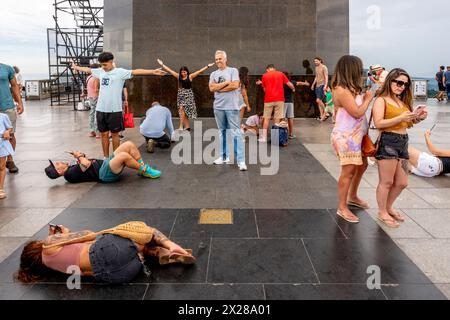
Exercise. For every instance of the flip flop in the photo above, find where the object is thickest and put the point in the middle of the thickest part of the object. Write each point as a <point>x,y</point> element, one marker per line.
<point>358,205</point>
<point>340,214</point>
<point>391,223</point>
<point>397,216</point>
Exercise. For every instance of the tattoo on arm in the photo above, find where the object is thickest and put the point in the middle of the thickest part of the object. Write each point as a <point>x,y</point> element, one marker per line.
<point>60,238</point>
<point>159,237</point>
<point>405,166</point>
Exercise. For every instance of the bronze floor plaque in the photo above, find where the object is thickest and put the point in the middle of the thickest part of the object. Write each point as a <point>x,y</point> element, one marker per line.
<point>216,216</point>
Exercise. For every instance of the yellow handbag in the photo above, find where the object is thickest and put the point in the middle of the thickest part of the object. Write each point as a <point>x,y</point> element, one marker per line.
<point>136,231</point>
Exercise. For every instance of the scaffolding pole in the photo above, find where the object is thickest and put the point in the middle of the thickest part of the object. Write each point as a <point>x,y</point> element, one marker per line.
<point>81,43</point>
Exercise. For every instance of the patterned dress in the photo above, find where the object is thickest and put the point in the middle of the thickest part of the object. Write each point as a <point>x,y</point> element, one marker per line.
<point>186,98</point>
<point>347,136</point>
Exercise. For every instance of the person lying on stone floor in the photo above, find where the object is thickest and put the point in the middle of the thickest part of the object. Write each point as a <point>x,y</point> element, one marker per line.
<point>111,256</point>
<point>428,165</point>
<point>108,170</point>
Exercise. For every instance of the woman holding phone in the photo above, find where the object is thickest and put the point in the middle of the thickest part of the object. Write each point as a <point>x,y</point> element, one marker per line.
<point>108,258</point>
<point>393,116</point>
<point>350,128</point>
<point>432,164</point>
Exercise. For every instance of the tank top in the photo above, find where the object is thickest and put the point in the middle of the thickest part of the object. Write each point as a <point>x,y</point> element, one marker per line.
<point>393,111</point>
<point>68,256</point>
<point>185,84</point>
<point>91,88</point>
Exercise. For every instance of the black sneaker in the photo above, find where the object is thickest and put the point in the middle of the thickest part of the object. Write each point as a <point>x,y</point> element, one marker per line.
<point>12,167</point>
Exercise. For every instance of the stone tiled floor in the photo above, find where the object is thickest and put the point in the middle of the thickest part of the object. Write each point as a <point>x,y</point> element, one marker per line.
<point>424,236</point>
<point>285,243</point>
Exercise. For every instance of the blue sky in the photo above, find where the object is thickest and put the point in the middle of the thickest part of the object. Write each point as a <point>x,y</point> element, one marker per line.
<point>409,34</point>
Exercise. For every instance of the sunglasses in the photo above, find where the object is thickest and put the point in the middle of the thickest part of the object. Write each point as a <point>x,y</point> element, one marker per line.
<point>401,83</point>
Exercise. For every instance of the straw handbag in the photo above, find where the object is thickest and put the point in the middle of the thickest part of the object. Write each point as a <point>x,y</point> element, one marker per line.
<point>136,231</point>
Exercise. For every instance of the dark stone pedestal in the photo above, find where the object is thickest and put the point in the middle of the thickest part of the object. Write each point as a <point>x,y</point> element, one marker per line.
<point>145,90</point>
<point>254,33</point>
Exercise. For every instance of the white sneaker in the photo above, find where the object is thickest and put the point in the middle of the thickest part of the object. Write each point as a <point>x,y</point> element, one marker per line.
<point>242,166</point>
<point>222,161</point>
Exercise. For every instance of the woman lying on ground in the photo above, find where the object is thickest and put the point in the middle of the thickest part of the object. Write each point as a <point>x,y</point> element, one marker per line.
<point>109,256</point>
<point>428,165</point>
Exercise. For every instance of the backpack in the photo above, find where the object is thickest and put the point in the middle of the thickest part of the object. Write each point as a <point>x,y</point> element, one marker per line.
<point>280,136</point>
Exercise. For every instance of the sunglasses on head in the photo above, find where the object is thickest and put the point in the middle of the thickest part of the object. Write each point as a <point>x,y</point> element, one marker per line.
<point>401,83</point>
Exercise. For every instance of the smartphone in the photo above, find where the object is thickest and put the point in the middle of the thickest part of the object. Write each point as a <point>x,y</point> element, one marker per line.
<point>55,227</point>
<point>375,88</point>
<point>420,109</point>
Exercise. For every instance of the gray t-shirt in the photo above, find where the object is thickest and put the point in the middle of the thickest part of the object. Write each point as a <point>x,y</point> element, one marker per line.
<point>225,100</point>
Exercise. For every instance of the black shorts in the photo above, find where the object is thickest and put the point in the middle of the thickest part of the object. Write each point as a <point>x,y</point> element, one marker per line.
<point>441,87</point>
<point>393,146</point>
<point>110,121</point>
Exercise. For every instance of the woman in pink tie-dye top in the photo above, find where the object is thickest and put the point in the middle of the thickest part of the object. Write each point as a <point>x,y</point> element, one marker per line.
<point>350,128</point>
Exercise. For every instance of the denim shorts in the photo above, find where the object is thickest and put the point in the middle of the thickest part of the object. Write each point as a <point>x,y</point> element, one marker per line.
<point>114,259</point>
<point>320,94</point>
<point>393,146</point>
<point>106,175</point>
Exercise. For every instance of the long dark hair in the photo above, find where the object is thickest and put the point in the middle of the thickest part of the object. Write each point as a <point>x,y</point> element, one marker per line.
<point>348,74</point>
<point>32,268</point>
<point>243,77</point>
<point>407,96</point>
<point>184,68</point>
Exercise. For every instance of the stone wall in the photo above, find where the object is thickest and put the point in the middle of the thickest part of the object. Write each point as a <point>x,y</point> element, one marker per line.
<point>145,90</point>
<point>253,32</point>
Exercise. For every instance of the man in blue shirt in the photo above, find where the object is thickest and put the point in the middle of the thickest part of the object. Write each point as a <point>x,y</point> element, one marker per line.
<point>110,104</point>
<point>157,119</point>
<point>8,85</point>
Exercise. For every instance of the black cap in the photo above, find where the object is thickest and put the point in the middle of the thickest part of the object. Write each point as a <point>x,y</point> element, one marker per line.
<point>51,171</point>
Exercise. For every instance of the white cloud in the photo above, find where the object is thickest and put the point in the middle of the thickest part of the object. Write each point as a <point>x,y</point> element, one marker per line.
<point>411,35</point>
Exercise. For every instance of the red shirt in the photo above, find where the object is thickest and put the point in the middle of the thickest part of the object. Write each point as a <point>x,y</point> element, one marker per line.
<point>273,82</point>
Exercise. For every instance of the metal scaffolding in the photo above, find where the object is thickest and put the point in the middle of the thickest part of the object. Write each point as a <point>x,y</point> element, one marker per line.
<point>81,44</point>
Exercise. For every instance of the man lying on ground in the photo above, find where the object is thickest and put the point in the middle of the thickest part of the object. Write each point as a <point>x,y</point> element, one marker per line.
<point>428,165</point>
<point>107,171</point>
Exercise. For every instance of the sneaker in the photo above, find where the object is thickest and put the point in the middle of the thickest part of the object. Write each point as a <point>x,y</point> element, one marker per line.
<point>2,195</point>
<point>151,146</point>
<point>292,136</point>
<point>12,167</point>
<point>151,173</point>
<point>242,166</point>
<point>222,161</point>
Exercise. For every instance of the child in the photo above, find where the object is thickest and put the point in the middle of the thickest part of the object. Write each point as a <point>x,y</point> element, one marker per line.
<point>329,105</point>
<point>253,123</point>
<point>6,149</point>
